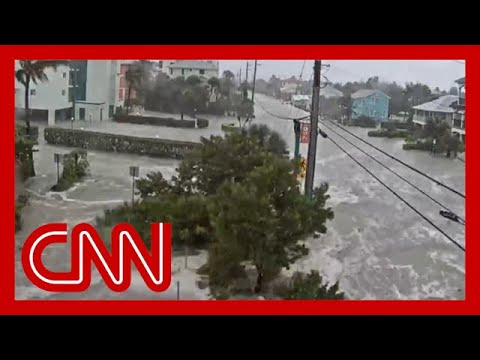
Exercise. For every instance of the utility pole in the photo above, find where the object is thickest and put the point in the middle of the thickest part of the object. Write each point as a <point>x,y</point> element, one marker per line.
<point>254,79</point>
<point>312,145</point>
<point>246,74</point>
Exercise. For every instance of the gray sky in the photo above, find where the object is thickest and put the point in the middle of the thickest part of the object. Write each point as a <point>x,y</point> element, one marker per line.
<point>441,73</point>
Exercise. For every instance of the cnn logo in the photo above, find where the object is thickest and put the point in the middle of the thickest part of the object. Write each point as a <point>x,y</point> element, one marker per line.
<point>87,248</point>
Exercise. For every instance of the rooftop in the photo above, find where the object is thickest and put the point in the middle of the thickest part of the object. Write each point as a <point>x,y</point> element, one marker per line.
<point>460,81</point>
<point>442,104</point>
<point>363,93</point>
<point>194,64</point>
<point>330,92</point>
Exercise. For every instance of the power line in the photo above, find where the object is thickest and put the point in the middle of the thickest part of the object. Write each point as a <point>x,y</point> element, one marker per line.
<point>399,197</point>
<point>282,117</point>
<point>395,173</point>
<point>401,162</point>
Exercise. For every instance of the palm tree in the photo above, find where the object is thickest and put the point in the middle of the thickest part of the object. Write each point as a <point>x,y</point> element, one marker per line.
<point>135,77</point>
<point>33,71</point>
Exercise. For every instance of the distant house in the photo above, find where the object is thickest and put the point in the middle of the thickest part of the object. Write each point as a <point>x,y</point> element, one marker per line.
<point>301,101</point>
<point>458,125</point>
<point>438,110</point>
<point>186,68</point>
<point>329,92</point>
<point>370,103</point>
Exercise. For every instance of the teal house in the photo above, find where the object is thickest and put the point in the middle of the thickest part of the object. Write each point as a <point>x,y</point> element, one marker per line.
<point>371,103</point>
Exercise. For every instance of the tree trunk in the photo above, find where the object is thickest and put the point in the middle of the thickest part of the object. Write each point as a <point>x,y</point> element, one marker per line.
<point>258,286</point>
<point>128,98</point>
<point>31,167</point>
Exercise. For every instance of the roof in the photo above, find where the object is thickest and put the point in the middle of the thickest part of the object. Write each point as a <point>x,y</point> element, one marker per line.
<point>194,64</point>
<point>442,104</point>
<point>460,81</point>
<point>330,92</point>
<point>363,93</point>
<point>300,98</point>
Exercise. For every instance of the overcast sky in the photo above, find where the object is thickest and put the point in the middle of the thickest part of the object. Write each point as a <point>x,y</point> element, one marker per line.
<point>441,73</point>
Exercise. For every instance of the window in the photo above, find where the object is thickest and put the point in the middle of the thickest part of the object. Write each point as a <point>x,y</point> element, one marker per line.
<point>63,92</point>
<point>160,64</point>
<point>33,92</point>
<point>202,72</point>
<point>64,75</point>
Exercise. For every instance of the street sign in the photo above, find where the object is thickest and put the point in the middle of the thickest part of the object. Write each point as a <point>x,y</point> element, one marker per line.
<point>134,171</point>
<point>57,158</point>
<point>305,133</point>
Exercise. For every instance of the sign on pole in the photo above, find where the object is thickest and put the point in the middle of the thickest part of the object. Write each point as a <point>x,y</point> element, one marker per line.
<point>305,133</point>
<point>303,169</point>
<point>134,171</point>
<point>57,158</point>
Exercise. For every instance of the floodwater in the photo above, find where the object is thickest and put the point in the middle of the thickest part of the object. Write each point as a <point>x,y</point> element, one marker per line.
<point>377,247</point>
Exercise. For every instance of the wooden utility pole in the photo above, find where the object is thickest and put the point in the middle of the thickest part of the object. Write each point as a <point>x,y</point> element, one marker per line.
<point>312,145</point>
<point>246,73</point>
<point>254,79</point>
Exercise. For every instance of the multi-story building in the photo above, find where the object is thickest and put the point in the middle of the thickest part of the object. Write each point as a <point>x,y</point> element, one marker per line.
<point>458,125</point>
<point>95,87</point>
<point>370,103</point>
<point>438,110</point>
<point>204,69</point>
<point>48,100</point>
<point>85,89</point>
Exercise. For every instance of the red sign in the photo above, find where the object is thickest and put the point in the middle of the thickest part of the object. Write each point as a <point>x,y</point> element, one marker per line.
<point>305,133</point>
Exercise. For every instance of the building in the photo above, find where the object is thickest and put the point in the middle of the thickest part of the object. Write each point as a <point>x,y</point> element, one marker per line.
<point>186,68</point>
<point>438,110</point>
<point>370,103</point>
<point>49,101</point>
<point>329,92</point>
<point>123,84</point>
<point>458,124</point>
<point>96,89</point>
<point>302,101</point>
<point>88,89</point>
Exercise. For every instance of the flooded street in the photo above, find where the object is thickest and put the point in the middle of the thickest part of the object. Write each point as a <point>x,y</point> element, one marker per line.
<point>376,246</point>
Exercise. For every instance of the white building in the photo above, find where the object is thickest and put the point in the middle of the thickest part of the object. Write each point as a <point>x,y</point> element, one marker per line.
<point>91,87</point>
<point>205,69</point>
<point>48,101</point>
<point>101,96</point>
<point>438,110</point>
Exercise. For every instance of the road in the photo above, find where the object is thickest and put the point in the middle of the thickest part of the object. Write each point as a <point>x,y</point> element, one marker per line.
<point>376,246</point>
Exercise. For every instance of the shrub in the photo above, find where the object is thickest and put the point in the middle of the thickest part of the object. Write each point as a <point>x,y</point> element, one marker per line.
<point>156,121</point>
<point>75,168</point>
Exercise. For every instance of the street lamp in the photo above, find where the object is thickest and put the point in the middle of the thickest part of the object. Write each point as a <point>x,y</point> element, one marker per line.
<point>134,172</point>
<point>72,120</point>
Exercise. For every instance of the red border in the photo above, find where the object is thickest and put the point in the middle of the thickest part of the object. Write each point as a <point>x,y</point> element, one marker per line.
<point>9,305</point>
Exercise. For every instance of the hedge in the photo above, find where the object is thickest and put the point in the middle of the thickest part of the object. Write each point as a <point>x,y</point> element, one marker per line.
<point>229,127</point>
<point>388,133</point>
<point>156,121</point>
<point>202,123</point>
<point>117,143</point>
<point>396,125</point>
<point>419,145</point>
<point>22,130</point>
